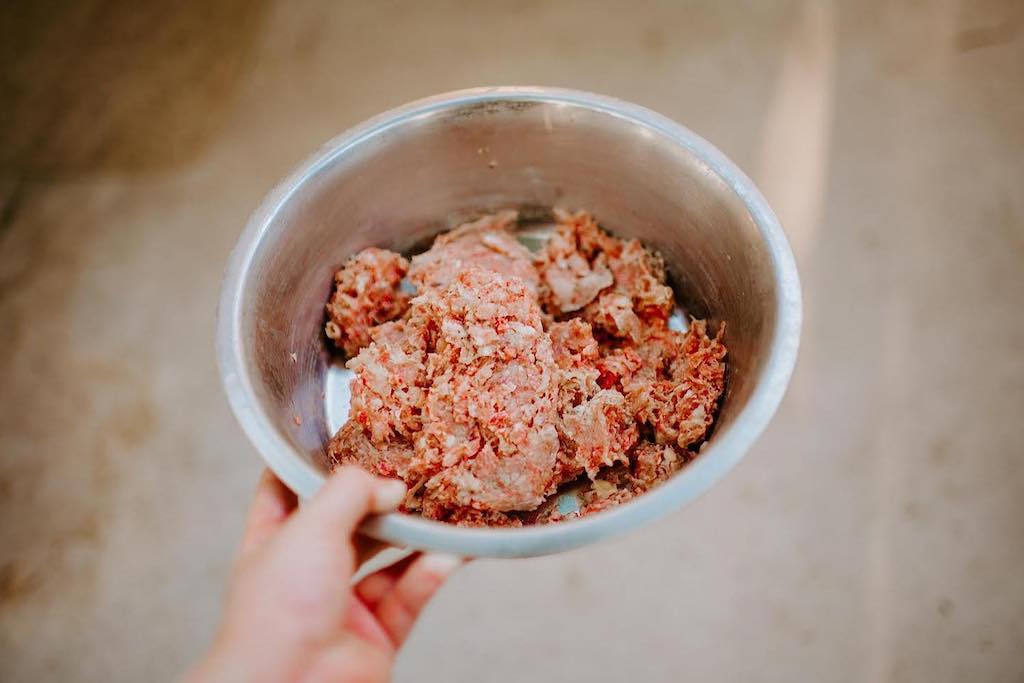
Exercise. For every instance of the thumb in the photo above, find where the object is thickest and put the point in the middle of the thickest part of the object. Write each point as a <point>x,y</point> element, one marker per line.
<point>346,498</point>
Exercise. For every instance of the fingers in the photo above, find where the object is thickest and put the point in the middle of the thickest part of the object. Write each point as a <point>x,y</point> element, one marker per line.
<point>372,589</point>
<point>360,621</point>
<point>271,506</point>
<point>350,494</point>
<point>351,659</point>
<point>399,593</point>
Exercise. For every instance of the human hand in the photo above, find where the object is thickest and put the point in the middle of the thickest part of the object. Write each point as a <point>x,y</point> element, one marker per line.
<point>292,613</point>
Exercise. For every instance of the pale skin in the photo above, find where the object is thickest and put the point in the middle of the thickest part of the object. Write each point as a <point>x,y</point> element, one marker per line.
<point>292,613</point>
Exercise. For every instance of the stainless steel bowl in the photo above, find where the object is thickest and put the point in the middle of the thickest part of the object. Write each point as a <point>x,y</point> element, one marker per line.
<point>405,175</point>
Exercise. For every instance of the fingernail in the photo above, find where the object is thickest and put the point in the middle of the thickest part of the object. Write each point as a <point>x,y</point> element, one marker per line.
<point>388,495</point>
<point>441,564</point>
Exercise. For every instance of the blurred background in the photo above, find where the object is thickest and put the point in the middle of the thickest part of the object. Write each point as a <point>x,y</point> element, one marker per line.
<point>876,532</point>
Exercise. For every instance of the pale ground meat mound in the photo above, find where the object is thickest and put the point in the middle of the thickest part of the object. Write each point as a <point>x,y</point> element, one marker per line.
<point>511,374</point>
<point>487,243</point>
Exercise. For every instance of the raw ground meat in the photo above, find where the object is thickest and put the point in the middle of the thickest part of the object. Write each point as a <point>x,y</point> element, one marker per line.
<point>460,398</point>
<point>489,439</point>
<point>511,374</point>
<point>574,265</point>
<point>487,243</point>
<point>367,292</point>
<point>652,465</point>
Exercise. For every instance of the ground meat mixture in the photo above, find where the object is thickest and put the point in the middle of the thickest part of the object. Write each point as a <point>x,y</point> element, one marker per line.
<point>511,374</point>
<point>574,263</point>
<point>487,243</point>
<point>367,292</point>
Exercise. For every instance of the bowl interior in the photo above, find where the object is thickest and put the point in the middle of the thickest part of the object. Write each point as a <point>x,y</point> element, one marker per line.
<point>399,180</point>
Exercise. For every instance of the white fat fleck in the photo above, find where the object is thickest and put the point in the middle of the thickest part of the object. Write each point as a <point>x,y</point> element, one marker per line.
<point>523,330</point>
